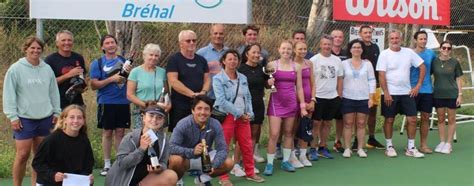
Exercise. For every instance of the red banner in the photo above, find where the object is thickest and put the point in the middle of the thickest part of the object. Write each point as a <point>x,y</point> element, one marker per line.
<point>426,12</point>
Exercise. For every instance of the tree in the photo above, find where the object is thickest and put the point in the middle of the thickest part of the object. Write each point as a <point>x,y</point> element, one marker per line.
<point>127,34</point>
<point>320,14</point>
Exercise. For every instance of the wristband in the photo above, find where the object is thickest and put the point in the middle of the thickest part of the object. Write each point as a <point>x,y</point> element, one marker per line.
<point>313,99</point>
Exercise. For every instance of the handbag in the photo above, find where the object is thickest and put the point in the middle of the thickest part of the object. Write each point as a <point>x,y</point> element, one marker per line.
<point>220,116</point>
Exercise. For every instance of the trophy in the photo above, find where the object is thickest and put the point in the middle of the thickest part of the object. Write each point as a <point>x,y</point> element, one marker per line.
<point>269,70</point>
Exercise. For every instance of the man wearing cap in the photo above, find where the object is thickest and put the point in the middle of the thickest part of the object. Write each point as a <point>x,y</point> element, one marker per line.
<point>133,165</point>
<point>186,147</point>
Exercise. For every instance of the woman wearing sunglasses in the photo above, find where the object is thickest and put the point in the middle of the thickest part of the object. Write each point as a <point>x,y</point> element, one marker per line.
<point>447,94</point>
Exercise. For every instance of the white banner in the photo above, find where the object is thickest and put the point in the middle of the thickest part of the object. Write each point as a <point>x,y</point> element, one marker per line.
<point>378,36</point>
<point>188,11</point>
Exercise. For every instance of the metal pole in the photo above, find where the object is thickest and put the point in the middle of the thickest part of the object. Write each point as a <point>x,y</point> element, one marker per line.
<point>39,29</point>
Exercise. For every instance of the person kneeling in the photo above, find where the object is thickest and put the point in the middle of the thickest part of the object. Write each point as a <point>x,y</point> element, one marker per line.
<point>143,154</point>
<point>187,145</point>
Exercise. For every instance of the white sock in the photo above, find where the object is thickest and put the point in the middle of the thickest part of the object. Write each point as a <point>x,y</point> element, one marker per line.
<point>389,142</point>
<point>107,163</point>
<point>411,143</point>
<point>303,152</point>
<point>293,154</point>
<point>270,158</point>
<point>255,149</point>
<point>286,154</point>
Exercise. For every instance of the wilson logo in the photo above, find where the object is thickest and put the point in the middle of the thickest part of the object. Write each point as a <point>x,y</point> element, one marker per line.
<point>436,12</point>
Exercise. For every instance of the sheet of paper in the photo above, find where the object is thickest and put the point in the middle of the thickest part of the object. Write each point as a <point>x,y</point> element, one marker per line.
<point>76,180</point>
<point>152,136</point>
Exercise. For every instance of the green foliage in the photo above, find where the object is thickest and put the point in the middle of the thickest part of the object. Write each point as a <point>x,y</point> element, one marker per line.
<point>17,9</point>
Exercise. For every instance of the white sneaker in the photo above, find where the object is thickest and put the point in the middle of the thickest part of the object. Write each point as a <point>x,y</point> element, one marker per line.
<point>304,160</point>
<point>237,171</point>
<point>295,162</point>
<point>361,153</point>
<point>413,152</point>
<point>391,152</point>
<point>347,153</point>
<point>255,170</point>
<point>439,147</point>
<point>446,148</point>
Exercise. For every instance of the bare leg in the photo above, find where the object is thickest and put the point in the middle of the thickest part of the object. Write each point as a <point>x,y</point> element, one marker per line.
<point>441,123</point>
<point>424,129</point>
<point>371,122</point>
<point>339,128</point>
<point>451,125</point>
<point>23,149</point>
<point>411,127</point>
<point>324,132</point>
<point>178,164</point>
<point>36,142</point>
<point>316,137</point>
<point>388,127</point>
<point>288,134</point>
<point>275,125</point>
<point>119,133</point>
<point>348,126</point>
<point>361,119</point>
<point>107,143</point>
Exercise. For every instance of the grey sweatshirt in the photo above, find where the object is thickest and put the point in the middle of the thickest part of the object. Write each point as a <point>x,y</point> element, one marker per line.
<point>187,135</point>
<point>129,156</point>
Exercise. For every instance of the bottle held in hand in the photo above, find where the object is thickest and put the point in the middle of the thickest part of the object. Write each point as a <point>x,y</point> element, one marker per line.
<point>153,157</point>
<point>205,158</point>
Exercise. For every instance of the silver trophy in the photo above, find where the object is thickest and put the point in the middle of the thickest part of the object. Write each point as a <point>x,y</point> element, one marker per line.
<point>270,70</point>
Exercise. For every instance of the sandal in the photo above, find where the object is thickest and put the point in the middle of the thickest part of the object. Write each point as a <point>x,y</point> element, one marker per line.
<point>255,178</point>
<point>226,183</point>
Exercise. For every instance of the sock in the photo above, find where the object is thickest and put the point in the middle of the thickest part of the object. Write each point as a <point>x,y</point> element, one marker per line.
<point>286,154</point>
<point>303,152</point>
<point>270,158</point>
<point>107,163</point>
<point>389,142</point>
<point>411,143</point>
<point>205,178</point>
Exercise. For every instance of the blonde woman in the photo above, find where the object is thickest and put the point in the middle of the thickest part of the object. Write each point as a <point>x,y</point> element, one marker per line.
<point>66,150</point>
<point>147,82</point>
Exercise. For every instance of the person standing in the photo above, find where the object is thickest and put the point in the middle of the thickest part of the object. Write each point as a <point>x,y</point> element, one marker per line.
<point>213,53</point>
<point>447,95</point>
<point>68,67</point>
<point>424,99</point>
<point>257,82</point>
<point>66,150</point>
<point>328,72</point>
<point>113,112</point>
<point>338,51</point>
<point>398,96</point>
<point>251,34</point>
<point>300,36</point>
<point>233,98</point>
<point>357,93</point>
<point>31,103</point>
<point>371,53</point>
<point>147,82</point>
<point>283,106</point>
<point>188,75</point>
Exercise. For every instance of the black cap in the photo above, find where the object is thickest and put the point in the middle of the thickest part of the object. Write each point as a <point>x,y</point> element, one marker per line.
<point>155,110</point>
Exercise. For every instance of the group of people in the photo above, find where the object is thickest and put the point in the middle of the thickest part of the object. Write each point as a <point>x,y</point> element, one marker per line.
<point>216,95</point>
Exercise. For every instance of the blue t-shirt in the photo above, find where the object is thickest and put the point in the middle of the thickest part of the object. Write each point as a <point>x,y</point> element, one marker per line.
<point>428,56</point>
<point>112,93</point>
<point>212,57</point>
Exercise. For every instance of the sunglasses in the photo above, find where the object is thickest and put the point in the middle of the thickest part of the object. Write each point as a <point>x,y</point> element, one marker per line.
<point>190,40</point>
<point>446,48</point>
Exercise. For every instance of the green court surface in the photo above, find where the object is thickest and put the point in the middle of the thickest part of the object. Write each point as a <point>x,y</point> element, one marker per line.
<point>435,169</point>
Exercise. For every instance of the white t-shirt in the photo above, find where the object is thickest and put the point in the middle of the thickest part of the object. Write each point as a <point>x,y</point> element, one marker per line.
<point>326,70</point>
<point>396,66</point>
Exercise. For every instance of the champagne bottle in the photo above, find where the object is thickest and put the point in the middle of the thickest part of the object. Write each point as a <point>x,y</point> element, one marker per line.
<point>205,158</point>
<point>123,72</point>
<point>162,96</point>
<point>153,157</point>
